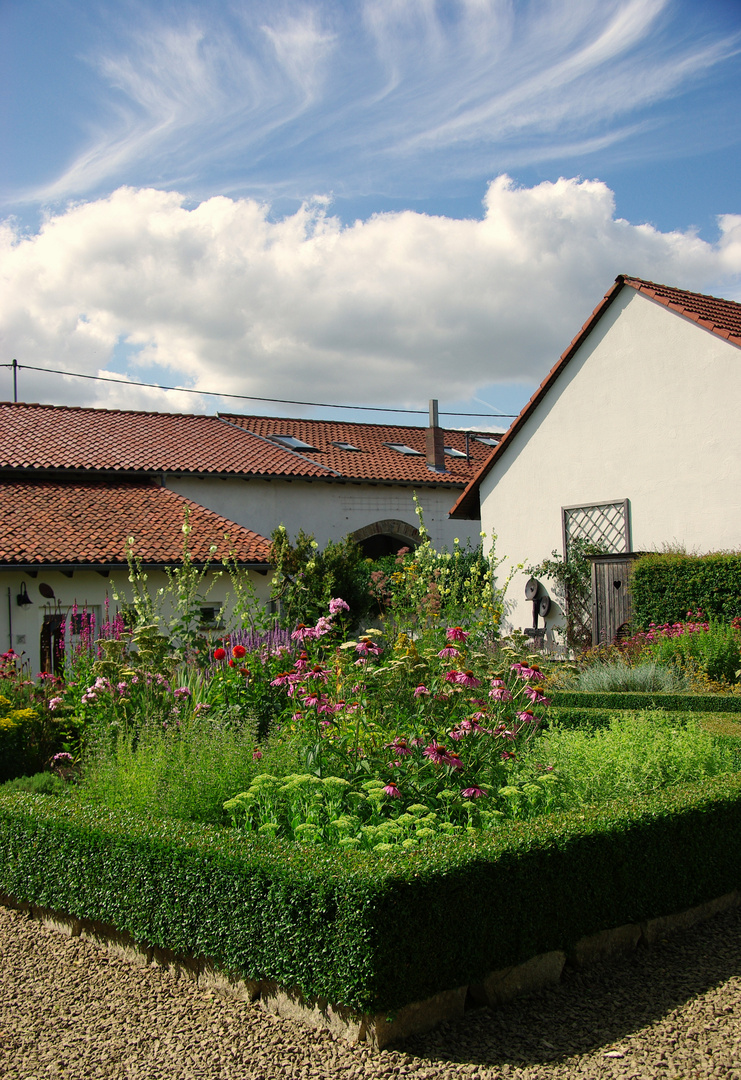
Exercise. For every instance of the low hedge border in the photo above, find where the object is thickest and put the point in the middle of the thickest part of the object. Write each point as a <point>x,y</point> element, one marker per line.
<point>583,699</point>
<point>373,932</point>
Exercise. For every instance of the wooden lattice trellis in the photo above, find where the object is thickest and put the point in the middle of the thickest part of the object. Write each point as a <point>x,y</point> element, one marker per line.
<point>607,526</point>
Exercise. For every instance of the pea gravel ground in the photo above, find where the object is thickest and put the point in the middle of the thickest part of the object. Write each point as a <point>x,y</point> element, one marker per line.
<point>72,1009</point>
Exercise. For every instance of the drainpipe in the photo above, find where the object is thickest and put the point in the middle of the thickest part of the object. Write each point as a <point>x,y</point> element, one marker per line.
<point>10,619</point>
<point>435,441</point>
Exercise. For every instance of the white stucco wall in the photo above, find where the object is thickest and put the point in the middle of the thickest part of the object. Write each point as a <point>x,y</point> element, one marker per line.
<point>648,410</point>
<point>329,511</point>
<point>88,589</point>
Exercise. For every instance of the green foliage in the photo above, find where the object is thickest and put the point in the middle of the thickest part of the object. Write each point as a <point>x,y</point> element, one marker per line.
<point>569,699</point>
<point>306,579</point>
<point>185,768</point>
<point>618,675</point>
<point>664,587</point>
<point>711,650</point>
<point>43,783</point>
<point>418,588</point>
<point>633,755</point>
<point>372,930</point>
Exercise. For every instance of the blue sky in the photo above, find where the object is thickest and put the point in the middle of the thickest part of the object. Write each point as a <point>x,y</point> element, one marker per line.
<point>371,202</point>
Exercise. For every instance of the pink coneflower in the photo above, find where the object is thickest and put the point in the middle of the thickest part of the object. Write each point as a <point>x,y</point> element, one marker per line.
<point>468,679</point>
<point>400,746</point>
<point>421,691</point>
<point>456,633</point>
<point>440,755</point>
<point>311,699</point>
<point>525,717</point>
<point>452,676</point>
<point>302,663</point>
<point>536,695</point>
<point>474,793</point>
<point>337,605</point>
<point>449,653</point>
<point>392,791</point>
<point>367,647</point>
<point>317,672</point>
<point>500,693</point>
<point>303,632</point>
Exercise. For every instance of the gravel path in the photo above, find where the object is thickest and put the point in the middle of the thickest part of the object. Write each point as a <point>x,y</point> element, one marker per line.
<point>71,1009</point>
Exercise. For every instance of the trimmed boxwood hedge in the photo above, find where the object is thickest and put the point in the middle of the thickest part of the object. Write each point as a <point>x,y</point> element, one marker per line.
<point>664,588</point>
<point>367,930</point>
<point>583,699</point>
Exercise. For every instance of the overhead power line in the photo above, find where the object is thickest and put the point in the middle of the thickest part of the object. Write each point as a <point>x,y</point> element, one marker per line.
<point>244,397</point>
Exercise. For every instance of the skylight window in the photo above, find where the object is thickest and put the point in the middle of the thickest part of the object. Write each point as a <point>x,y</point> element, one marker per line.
<point>486,440</point>
<point>293,443</point>
<point>452,452</point>
<point>402,448</point>
<point>347,446</point>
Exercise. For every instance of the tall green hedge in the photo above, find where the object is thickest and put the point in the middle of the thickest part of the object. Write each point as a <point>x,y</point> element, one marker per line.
<point>665,587</point>
<point>367,930</point>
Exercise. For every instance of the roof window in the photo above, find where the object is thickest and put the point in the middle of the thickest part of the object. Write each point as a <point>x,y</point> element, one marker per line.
<point>293,443</point>
<point>347,446</point>
<point>402,448</point>
<point>452,452</point>
<point>486,440</point>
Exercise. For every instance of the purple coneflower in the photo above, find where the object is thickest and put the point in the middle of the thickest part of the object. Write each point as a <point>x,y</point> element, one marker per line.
<point>420,691</point>
<point>474,793</point>
<point>456,633</point>
<point>392,791</point>
<point>449,653</point>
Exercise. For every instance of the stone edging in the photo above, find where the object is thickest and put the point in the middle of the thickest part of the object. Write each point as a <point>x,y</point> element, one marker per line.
<point>380,1030</point>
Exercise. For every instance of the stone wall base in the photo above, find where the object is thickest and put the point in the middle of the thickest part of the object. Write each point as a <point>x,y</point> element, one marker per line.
<point>380,1030</point>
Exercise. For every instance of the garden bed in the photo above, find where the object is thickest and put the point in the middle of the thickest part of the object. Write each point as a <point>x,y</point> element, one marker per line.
<point>366,935</point>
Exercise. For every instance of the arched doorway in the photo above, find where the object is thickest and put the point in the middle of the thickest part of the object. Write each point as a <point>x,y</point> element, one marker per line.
<point>386,537</point>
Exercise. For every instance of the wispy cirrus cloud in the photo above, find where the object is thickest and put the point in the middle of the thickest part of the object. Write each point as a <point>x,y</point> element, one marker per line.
<point>357,95</point>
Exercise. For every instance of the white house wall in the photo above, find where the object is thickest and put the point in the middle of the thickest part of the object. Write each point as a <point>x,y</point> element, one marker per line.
<point>648,410</point>
<point>20,626</point>
<point>328,511</point>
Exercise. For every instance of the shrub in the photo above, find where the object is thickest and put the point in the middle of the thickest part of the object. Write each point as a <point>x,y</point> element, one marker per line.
<point>664,587</point>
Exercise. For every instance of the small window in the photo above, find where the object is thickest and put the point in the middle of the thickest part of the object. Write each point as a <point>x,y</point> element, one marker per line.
<point>402,448</point>
<point>347,446</point>
<point>486,440</point>
<point>293,443</point>
<point>209,618</point>
<point>452,452</point>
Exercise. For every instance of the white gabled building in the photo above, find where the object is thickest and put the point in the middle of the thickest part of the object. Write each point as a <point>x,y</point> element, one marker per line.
<point>632,440</point>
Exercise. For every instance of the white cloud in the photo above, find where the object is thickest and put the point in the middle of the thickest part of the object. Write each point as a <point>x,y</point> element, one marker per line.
<point>310,96</point>
<point>392,310</point>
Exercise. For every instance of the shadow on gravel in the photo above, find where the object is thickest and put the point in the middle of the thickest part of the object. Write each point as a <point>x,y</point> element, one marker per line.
<point>593,1008</point>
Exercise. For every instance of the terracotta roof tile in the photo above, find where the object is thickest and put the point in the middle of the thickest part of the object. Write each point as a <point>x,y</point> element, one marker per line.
<point>52,437</point>
<point>89,521</point>
<point>720,317</point>
<point>60,437</point>
<point>373,459</point>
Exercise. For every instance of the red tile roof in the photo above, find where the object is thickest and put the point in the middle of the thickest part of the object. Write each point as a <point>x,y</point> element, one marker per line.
<point>373,459</point>
<point>53,437</point>
<point>718,316</point>
<point>60,437</point>
<point>88,522</point>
